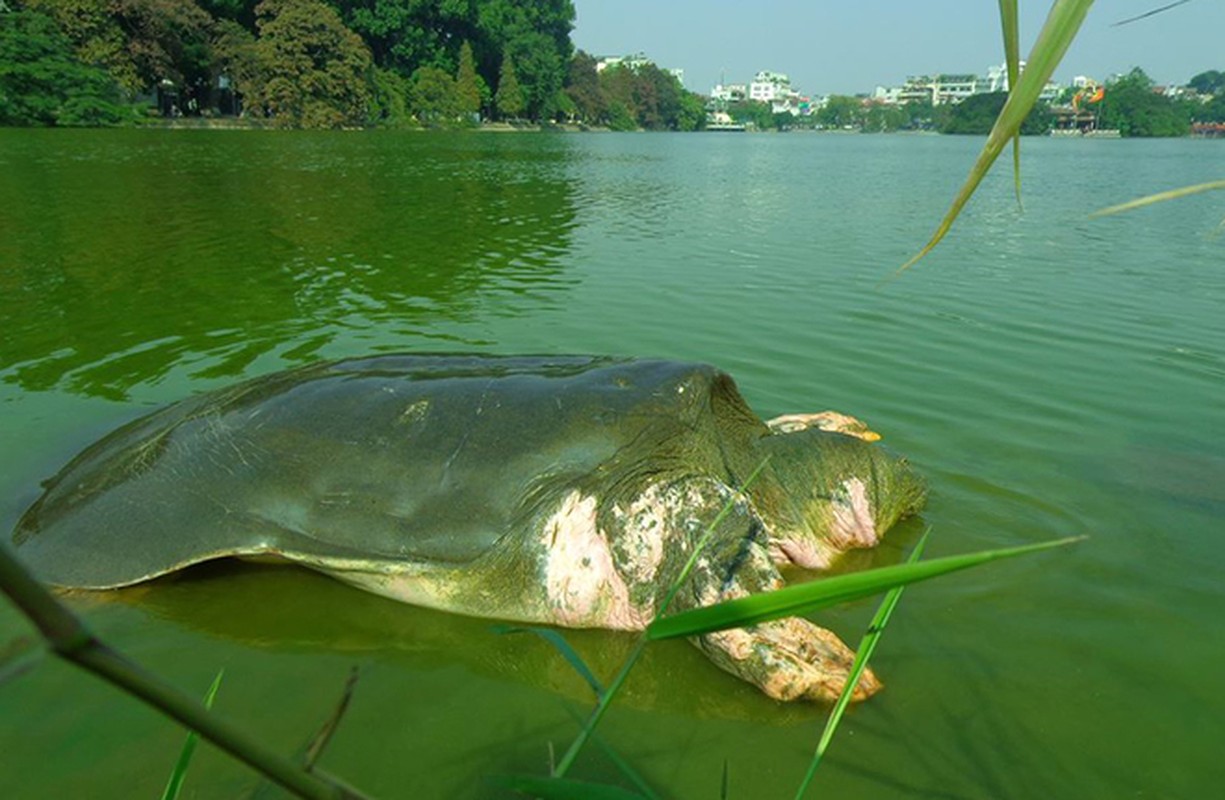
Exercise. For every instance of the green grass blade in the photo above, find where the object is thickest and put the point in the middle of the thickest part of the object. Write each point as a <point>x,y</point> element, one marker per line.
<point>866,645</point>
<point>564,788</point>
<point>175,784</point>
<point>619,761</point>
<point>1160,197</point>
<point>1057,33</point>
<point>806,597</point>
<point>559,642</point>
<point>1011,28</point>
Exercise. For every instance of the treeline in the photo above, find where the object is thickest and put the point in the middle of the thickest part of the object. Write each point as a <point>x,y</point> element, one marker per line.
<point>299,63</point>
<point>1130,104</point>
<point>629,97</point>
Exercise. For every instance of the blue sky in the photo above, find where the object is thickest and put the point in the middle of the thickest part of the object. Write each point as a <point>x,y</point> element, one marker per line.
<point>850,46</point>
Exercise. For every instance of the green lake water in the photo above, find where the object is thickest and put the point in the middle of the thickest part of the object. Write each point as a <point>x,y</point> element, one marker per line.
<point>1052,376</point>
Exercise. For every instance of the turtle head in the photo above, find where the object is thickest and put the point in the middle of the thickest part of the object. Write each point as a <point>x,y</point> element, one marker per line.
<point>822,493</point>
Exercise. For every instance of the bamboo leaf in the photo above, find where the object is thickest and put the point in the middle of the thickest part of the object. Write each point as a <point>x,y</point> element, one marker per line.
<point>1160,197</point>
<point>1057,33</point>
<point>1011,29</point>
<point>569,653</point>
<point>806,597</point>
<point>175,784</point>
<point>565,788</point>
<point>866,645</point>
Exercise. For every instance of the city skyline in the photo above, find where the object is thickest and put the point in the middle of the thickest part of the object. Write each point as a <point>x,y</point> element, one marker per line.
<point>851,48</point>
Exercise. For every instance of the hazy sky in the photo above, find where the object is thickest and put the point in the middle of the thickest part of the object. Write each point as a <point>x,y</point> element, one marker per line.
<point>851,46</point>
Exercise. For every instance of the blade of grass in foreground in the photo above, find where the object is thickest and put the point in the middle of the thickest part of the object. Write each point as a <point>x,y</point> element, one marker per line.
<point>562,646</point>
<point>866,645</point>
<point>1057,33</point>
<point>1160,197</point>
<point>175,784</point>
<point>806,597</point>
<point>1011,29</point>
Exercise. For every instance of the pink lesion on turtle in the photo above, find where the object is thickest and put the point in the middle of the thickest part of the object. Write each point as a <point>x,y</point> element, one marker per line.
<point>582,585</point>
<point>852,525</point>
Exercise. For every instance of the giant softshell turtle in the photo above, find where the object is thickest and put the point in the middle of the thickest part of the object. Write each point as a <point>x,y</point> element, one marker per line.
<point>560,490</point>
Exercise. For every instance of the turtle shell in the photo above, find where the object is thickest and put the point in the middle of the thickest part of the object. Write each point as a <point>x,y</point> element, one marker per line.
<point>417,458</point>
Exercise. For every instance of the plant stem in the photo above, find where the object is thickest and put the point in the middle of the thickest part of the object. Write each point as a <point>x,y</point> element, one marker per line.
<point>71,639</point>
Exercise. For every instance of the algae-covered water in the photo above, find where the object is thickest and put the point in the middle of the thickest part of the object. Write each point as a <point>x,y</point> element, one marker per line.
<point>1052,376</point>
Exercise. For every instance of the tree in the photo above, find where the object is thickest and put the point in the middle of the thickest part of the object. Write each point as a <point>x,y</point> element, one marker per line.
<point>976,115</point>
<point>1131,106</point>
<point>583,88</point>
<point>315,67</point>
<point>536,35</point>
<point>692,113</point>
<point>1210,82</point>
<point>435,97</point>
<point>140,42</point>
<point>752,112</point>
<point>42,82</point>
<point>468,84</point>
<point>509,99</point>
<point>841,111</point>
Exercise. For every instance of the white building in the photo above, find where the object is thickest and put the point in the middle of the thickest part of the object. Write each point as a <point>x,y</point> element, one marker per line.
<point>729,93</point>
<point>632,62</point>
<point>953,88</point>
<point>767,86</point>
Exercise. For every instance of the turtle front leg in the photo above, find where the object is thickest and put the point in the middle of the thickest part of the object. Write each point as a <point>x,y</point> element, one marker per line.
<point>790,659</point>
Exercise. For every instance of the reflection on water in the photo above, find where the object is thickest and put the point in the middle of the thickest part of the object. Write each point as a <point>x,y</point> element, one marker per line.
<point>127,254</point>
<point>248,604</point>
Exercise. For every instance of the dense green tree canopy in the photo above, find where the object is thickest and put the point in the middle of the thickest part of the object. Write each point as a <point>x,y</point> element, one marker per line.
<point>1131,106</point>
<point>42,82</point>
<point>976,115</point>
<point>1210,82</point>
<point>313,69</point>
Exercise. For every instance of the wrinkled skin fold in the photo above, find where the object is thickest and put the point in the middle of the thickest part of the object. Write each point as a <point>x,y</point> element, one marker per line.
<point>560,490</point>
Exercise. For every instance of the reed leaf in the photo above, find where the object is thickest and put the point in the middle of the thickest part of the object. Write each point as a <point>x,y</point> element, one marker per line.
<point>806,597</point>
<point>866,645</point>
<point>564,788</point>
<point>1159,197</point>
<point>559,642</point>
<point>1057,33</point>
<point>1011,29</point>
<point>619,761</point>
<point>175,784</point>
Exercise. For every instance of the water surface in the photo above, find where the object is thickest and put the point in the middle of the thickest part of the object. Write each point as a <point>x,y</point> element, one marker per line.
<point>1052,376</point>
